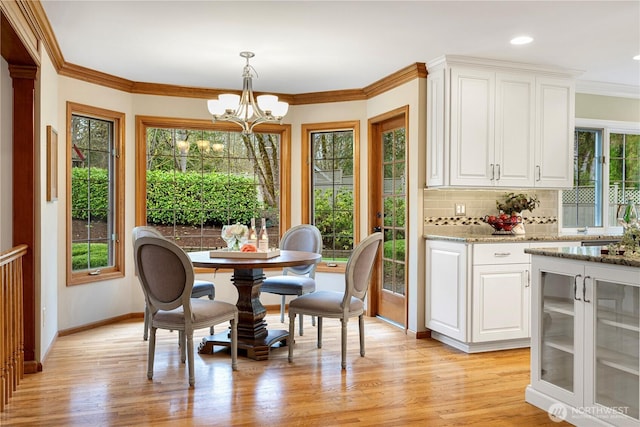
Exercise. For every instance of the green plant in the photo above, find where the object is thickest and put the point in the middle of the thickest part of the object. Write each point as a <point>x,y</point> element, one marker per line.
<point>516,203</point>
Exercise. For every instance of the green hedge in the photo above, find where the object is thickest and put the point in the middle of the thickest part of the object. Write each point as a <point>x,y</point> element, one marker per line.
<point>180,198</point>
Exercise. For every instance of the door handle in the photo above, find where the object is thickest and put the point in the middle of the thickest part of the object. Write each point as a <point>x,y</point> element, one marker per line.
<point>575,287</point>
<point>584,288</point>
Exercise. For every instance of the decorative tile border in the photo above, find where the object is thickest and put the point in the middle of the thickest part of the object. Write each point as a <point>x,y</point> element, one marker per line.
<point>464,220</point>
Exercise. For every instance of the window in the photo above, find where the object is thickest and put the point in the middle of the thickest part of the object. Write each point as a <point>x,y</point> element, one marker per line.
<point>606,174</point>
<point>95,179</point>
<point>330,186</point>
<point>194,177</point>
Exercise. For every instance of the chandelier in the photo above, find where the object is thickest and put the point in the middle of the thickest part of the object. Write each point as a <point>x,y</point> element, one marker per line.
<point>245,110</point>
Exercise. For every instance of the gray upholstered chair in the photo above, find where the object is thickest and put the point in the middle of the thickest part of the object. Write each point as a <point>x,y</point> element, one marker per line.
<point>201,288</point>
<point>298,280</point>
<point>341,305</point>
<point>166,276</point>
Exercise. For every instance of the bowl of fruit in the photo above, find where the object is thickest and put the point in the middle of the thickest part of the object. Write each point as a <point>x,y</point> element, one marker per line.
<point>503,223</point>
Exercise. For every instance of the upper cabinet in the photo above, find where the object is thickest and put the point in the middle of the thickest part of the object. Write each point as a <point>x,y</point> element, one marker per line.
<point>498,125</point>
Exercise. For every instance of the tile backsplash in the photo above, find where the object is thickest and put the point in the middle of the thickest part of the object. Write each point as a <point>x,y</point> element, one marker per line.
<point>439,210</point>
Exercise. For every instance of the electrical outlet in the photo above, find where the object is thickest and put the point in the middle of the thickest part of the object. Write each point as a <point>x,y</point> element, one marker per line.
<point>460,209</point>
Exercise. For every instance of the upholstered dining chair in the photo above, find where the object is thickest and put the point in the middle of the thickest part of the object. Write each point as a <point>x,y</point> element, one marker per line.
<point>201,288</point>
<point>341,305</point>
<point>297,280</point>
<point>166,276</point>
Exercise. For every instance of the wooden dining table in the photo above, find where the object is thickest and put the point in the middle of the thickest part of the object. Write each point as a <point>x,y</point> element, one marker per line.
<point>248,274</point>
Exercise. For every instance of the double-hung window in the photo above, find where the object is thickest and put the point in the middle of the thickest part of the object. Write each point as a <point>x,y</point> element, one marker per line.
<point>606,174</point>
<point>95,188</point>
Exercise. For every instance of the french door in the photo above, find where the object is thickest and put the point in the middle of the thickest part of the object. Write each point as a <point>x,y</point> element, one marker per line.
<point>388,212</point>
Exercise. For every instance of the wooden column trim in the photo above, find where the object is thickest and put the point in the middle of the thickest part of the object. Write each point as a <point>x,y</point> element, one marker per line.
<point>24,190</point>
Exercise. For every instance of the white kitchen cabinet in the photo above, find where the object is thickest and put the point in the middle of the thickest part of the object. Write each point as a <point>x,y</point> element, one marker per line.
<point>555,123</point>
<point>495,124</point>
<point>492,118</point>
<point>446,266</point>
<point>478,294</point>
<point>585,341</point>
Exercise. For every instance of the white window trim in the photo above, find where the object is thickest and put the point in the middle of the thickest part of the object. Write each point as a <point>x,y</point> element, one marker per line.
<point>608,127</point>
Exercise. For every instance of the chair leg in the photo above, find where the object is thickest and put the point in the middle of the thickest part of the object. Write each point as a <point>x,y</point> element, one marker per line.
<point>301,330</point>
<point>181,338</point>
<point>152,352</point>
<point>344,342</point>
<point>319,332</point>
<point>192,377</point>
<point>361,324</point>
<point>313,320</point>
<point>292,330</point>
<point>211,296</point>
<point>145,336</point>
<point>282,303</point>
<point>234,345</point>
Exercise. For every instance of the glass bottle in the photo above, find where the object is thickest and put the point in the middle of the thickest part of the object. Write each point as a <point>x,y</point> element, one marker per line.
<point>263,243</point>
<point>630,214</point>
<point>253,238</point>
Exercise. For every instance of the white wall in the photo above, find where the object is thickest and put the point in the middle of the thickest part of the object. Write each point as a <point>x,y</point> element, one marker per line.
<point>6,156</point>
<point>49,258</point>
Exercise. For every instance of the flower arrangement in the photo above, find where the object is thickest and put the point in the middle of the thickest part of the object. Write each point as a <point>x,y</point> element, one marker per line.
<point>630,243</point>
<point>516,203</point>
<point>235,235</point>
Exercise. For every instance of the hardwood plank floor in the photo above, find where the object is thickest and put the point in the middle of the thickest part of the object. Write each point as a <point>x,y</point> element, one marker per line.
<point>98,378</point>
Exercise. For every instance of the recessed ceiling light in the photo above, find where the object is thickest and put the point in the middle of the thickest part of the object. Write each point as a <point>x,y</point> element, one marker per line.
<point>521,40</point>
<point>637,57</point>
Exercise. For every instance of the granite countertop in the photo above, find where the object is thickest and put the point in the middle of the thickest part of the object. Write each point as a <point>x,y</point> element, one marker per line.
<point>585,253</point>
<point>511,238</point>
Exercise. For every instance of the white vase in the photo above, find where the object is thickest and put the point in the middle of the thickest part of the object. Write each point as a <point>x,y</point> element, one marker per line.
<point>519,227</point>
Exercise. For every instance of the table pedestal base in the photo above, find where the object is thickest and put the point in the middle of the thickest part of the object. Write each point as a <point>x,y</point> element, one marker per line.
<point>253,335</point>
<point>257,349</point>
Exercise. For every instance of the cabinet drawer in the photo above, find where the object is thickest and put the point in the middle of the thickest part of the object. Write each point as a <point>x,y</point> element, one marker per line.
<point>500,253</point>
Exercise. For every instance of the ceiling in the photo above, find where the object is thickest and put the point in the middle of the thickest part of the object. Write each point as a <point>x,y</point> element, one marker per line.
<point>316,46</point>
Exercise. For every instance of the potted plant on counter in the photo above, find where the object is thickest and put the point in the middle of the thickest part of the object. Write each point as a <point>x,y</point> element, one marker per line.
<point>513,204</point>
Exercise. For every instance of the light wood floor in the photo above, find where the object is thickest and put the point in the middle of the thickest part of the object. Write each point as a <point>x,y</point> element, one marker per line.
<point>98,377</point>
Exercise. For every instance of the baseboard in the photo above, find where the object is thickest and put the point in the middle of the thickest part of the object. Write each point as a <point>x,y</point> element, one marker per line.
<point>481,347</point>
<point>104,322</point>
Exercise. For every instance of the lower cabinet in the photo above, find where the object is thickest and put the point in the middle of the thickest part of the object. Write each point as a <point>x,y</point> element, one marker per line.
<point>500,302</point>
<point>478,294</point>
<point>585,341</point>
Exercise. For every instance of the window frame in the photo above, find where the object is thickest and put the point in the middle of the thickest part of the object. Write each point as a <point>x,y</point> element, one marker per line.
<point>306,130</point>
<point>144,122</point>
<point>607,127</point>
<point>117,269</point>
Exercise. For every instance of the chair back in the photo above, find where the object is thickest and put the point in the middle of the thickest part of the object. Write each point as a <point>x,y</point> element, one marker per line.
<point>360,266</point>
<point>143,231</point>
<point>303,237</point>
<point>165,272</point>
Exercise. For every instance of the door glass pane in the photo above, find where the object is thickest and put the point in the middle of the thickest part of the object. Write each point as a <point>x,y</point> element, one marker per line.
<point>557,343</point>
<point>394,211</point>
<point>617,345</point>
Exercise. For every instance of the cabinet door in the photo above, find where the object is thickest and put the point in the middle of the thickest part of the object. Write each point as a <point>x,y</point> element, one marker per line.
<point>446,299</point>
<point>554,133</point>
<point>557,344</point>
<point>436,118</point>
<point>613,313</point>
<point>500,302</point>
<point>472,127</point>
<point>514,130</point>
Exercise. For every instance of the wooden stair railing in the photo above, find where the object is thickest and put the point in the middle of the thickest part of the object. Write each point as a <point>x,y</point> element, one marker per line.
<point>11,323</point>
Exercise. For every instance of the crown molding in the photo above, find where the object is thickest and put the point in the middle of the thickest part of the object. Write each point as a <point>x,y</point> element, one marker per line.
<point>44,31</point>
<point>607,89</point>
